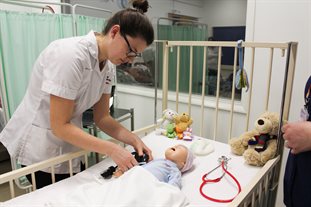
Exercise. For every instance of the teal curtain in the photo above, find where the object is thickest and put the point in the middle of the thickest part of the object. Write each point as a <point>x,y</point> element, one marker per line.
<point>86,23</point>
<point>23,37</point>
<point>183,33</point>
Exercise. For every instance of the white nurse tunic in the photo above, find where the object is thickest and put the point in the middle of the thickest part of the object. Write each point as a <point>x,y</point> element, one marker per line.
<point>68,68</point>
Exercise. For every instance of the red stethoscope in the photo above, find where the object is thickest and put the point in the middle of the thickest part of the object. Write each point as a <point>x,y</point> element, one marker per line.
<point>223,162</point>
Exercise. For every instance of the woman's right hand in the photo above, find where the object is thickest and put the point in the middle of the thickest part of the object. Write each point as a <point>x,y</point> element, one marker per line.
<point>123,158</point>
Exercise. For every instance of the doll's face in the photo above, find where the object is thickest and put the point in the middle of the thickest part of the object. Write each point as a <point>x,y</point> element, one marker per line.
<point>177,154</point>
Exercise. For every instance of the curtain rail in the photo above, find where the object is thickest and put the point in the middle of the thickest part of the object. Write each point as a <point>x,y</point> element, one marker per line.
<point>32,4</point>
<point>72,8</point>
<point>20,4</point>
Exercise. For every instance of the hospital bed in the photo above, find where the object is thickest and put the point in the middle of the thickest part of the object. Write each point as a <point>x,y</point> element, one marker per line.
<point>139,188</point>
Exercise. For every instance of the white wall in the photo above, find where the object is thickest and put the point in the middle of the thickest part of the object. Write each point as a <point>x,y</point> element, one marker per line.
<point>159,8</point>
<point>224,13</point>
<point>284,20</point>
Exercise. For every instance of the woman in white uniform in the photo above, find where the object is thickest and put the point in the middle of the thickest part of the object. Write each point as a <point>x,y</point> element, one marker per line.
<point>70,76</point>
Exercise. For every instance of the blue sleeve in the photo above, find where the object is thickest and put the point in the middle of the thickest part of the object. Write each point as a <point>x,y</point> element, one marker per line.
<point>174,178</point>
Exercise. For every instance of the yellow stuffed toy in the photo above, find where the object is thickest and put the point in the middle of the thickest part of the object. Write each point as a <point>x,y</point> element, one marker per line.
<point>260,144</point>
<point>182,122</point>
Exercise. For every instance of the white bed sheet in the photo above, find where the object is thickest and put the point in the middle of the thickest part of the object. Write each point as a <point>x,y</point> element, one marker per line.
<point>191,180</point>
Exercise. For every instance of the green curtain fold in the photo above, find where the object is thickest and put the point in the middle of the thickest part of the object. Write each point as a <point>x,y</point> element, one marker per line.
<point>183,33</point>
<point>23,37</point>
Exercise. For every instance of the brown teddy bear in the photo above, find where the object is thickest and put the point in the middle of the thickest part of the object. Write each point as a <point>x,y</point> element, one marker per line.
<point>260,144</point>
<point>182,122</point>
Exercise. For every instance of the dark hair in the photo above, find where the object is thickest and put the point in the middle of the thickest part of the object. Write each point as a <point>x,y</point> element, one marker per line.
<point>133,22</point>
<point>210,39</point>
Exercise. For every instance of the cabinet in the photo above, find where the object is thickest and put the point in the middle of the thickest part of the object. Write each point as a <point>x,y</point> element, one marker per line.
<point>117,113</point>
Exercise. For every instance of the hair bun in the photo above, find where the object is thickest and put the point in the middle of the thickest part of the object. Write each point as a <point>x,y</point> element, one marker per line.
<point>141,5</point>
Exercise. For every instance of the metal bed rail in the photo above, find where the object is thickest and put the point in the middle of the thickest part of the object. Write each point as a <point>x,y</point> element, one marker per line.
<point>267,181</point>
<point>50,163</point>
<point>257,192</point>
<point>253,46</point>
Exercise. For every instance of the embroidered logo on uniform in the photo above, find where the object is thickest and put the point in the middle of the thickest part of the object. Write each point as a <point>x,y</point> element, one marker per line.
<point>108,80</point>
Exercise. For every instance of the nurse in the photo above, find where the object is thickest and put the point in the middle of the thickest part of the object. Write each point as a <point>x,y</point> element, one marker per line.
<point>70,76</point>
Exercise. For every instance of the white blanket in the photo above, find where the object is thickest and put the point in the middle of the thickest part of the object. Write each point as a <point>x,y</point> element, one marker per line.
<point>137,187</point>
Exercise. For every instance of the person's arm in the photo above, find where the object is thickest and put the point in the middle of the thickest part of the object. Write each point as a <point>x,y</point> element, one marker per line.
<point>114,129</point>
<point>61,111</point>
<point>297,136</point>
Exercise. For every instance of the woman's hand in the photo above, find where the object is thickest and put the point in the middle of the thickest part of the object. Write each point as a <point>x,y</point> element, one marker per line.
<point>123,158</point>
<point>297,136</point>
<point>141,148</point>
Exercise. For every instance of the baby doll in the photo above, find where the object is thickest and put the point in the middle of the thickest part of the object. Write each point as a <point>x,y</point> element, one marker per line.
<point>178,159</point>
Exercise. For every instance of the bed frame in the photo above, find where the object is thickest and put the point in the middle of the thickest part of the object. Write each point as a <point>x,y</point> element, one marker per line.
<point>262,190</point>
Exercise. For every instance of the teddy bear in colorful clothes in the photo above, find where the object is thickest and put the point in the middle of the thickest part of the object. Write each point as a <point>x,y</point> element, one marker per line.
<point>167,118</point>
<point>260,144</point>
<point>182,122</point>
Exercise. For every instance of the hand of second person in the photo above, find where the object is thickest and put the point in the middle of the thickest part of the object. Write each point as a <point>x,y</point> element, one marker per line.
<point>123,158</point>
<point>297,136</point>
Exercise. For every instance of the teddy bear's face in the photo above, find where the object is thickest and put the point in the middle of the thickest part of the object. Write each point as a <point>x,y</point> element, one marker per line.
<point>268,122</point>
<point>184,117</point>
<point>263,125</point>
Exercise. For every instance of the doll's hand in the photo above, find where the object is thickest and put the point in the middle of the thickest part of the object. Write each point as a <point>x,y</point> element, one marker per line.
<point>117,173</point>
<point>297,136</point>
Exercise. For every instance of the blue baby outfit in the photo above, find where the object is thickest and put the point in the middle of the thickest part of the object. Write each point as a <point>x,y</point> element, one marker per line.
<point>165,170</point>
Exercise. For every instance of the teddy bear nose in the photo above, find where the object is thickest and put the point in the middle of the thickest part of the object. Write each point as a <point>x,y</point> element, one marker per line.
<point>260,122</point>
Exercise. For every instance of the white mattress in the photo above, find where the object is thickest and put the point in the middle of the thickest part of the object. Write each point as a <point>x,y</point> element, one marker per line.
<point>191,180</point>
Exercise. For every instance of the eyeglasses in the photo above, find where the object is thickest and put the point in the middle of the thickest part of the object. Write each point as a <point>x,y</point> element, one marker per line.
<point>131,53</point>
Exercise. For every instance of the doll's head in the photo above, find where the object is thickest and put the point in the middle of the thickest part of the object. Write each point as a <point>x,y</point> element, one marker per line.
<point>180,155</point>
